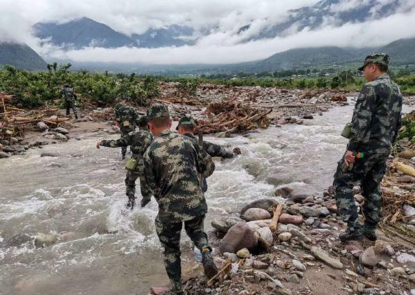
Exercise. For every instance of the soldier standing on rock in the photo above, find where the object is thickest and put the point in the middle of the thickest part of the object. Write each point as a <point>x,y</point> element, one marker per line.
<point>126,118</point>
<point>138,141</point>
<point>187,126</point>
<point>172,165</point>
<point>70,99</point>
<point>375,125</point>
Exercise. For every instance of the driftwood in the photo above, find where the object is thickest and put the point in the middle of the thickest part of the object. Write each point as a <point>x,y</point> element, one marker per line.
<point>277,213</point>
<point>404,168</point>
<point>222,270</point>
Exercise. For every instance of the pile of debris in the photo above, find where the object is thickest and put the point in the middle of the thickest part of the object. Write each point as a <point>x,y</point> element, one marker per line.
<point>233,117</point>
<point>292,247</point>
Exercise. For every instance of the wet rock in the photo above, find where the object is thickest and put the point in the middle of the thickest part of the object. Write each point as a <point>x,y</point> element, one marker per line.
<point>294,279</point>
<point>49,154</point>
<point>9,149</point>
<point>266,235</point>
<point>292,219</point>
<point>285,237</point>
<point>4,155</point>
<point>262,204</point>
<point>259,265</point>
<point>405,258</point>
<point>44,240</point>
<point>412,278</point>
<point>284,192</point>
<point>324,211</point>
<point>4,142</point>
<point>256,214</point>
<point>243,253</point>
<point>398,271</point>
<point>18,240</point>
<point>300,235</point>
<point>369,257</point>
<point>61,136</point>
<point>310,211</point>
<point>309,221</point>
<point>382,247</point>
<point>257,224</point>
<point>280,264</point>
<point>225,223</point>
<point>14,140</point>
<point>298,198</point>
<point>326,258</point>
<point>371,291</point>
<point>61,130</point>
<point>298,265</point>
<point>42,126</point>
<point>238,237</point>
<point>231,257</point>
<point>408,210</point>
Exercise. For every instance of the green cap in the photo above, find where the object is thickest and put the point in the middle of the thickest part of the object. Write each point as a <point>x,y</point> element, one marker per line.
<point>186,120</point>
<point>376,58</point>
<point>157,111</point>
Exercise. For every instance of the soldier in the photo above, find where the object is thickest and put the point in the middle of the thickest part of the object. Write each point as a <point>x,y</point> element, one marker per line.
<point>70,99</point>
<point>172,165</point>
<point>138,141</point>
<point>187,126</point>
<point>375,125</point>
<point>126,118</point>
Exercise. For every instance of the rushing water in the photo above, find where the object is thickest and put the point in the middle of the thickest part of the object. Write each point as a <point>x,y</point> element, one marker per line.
<point>102,249</point>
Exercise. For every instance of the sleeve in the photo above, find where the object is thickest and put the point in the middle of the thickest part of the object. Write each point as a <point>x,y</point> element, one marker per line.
<point>124,141</point>
<point>215,150</point>
<point>398,127</point>
<point>205,164</point>
<point>149,173</point>
<point>362,117</point>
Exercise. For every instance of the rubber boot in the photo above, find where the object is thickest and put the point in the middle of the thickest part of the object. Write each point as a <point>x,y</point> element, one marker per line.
<point>208,264</point>
<point>369,231</point>
<point>353,233</point>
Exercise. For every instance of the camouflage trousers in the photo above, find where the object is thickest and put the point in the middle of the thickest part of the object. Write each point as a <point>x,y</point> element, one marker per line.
<point>70,104</point>
<point>130,180</point>
<point>366,173</point>
<point>169,235</point>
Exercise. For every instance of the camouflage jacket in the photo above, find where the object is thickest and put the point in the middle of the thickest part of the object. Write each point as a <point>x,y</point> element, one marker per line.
<point>69,94</point>
<point>127,117</point>
<point>172,165</point>
<point>138,141</point>
<point>214,150</point>
<point>377,117</point>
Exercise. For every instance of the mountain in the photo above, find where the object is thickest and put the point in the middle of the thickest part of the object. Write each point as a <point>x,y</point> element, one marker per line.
<point>338,12</point>
<point>86,32</point>
<point>401,51</point>
<point>306,58</point>
<point>21,56</point>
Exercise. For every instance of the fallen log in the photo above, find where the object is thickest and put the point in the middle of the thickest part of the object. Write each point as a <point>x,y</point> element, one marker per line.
<point>277,213</point>
<point>404,168</point>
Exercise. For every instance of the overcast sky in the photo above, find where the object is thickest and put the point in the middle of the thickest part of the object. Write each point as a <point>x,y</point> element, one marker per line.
<point>223,18</point>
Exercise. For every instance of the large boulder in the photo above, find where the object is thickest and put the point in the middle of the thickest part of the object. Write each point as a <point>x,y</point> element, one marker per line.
<point>266,235</point>
<point>238,237</point>
<point>263,204</point>
<point>256,214</point>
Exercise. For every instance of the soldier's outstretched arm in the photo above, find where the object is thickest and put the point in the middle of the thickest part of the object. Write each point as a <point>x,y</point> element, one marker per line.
<point>205,164</point>
<point>215,150</point>
<point>125,140</point>
<point>362,117</point>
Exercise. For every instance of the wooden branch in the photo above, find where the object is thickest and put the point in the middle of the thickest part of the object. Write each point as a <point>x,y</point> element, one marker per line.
<point>222,270</point>
<point>277,213</point>
<point>404,168</point>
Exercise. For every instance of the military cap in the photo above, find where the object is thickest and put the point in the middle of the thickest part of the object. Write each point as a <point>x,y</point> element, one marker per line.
<point>157,111</point>
<point>376,58</point>
<point>186,120</point>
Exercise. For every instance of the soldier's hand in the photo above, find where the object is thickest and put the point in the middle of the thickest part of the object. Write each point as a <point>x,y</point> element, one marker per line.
<point>99,144</point>
<point>144,202</point>
<point>237,151</point>
<point>349,158</point>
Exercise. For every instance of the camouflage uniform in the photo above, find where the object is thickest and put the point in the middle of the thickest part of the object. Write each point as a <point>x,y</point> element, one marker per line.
<point>138,141</point>
<point>375,125</point>
<point>127,118</point>
<point>172,165</point>
<point>70,100</point>
<point>214,150</point>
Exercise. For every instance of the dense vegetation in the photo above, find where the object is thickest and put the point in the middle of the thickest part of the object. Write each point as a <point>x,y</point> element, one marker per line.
<point>32,89</point>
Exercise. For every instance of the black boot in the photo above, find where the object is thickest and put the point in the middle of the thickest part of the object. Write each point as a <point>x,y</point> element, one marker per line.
<point>351,234</point>
<point>208,264</point>
<point>131,203</point>
<point>369,231</point>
